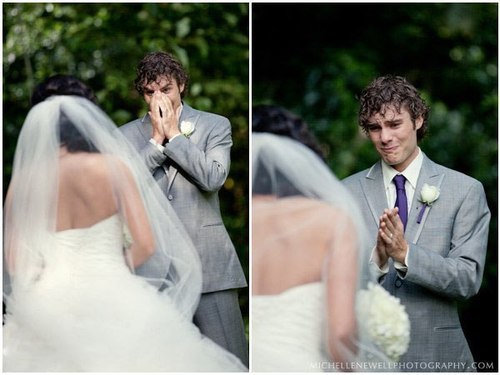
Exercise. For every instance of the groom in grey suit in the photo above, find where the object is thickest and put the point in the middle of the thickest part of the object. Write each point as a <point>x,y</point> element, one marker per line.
<point>188,153</point>
<point>430,250</point>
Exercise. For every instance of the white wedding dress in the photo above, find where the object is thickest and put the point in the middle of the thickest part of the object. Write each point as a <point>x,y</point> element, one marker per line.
<point>288,331</point>
<point>87,312</point>
<point>288,335</point>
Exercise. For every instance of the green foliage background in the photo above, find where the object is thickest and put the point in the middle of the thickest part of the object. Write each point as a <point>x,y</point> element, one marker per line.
<point>315,58</point>
<point>102,44</point>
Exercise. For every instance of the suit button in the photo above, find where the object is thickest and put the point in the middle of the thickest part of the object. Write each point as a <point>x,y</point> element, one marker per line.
<point>170,197</point>
<point>398,283</point>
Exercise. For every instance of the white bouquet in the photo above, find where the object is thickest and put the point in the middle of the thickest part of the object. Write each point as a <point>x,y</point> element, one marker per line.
<point>126,236</point>
<point>384,319</point>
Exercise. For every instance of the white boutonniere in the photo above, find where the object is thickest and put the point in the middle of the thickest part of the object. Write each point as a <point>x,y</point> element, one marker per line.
<point>384,319</point>
<point>186,128</point>
<point>428,195</point>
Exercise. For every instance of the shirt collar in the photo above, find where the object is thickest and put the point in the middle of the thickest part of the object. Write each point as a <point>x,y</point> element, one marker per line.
<point>411,172</point>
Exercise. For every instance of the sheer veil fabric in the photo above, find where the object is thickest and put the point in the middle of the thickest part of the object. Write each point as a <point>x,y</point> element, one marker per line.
<point>283,167</point>
<point>32,202</point>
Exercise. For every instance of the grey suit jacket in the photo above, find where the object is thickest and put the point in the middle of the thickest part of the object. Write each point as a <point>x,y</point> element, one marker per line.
<point>198,168</point>
<point>445,262</point>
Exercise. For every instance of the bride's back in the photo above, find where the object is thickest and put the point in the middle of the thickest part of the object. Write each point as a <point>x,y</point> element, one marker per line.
<point>290,239</point>
<point>85,194</point>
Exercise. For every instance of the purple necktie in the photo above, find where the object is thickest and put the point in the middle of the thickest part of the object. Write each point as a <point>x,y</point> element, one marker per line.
<point>401,202</point>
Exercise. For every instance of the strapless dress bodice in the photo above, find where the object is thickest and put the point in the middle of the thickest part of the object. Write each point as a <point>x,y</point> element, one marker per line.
<point>288,330</point>
<point>94,248</point>
<point>87,312</point>
<point>93,238</point>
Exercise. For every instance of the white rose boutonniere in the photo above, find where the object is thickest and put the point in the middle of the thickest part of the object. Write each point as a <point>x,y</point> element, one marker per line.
<point>428,195</point>
<point>384,319</point>
<point>186,128</point>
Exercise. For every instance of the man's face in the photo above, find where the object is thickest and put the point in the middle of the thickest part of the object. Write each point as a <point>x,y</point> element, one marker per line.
<point>167,86</point>
<point>394,136</point>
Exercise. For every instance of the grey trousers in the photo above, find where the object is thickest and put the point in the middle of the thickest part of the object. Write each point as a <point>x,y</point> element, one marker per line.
<point>219,318</point>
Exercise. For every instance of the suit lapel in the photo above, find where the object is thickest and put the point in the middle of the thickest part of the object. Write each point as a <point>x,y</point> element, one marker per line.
<point>187,114</point>
<point>428,175</point>
<point>146,128</point>
<point>373,189</point>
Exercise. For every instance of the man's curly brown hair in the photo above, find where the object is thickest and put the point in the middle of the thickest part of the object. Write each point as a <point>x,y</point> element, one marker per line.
<point>395,91</point>
<point>156,65</point>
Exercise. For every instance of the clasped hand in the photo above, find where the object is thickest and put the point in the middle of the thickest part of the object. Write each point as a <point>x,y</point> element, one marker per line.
<point>391,242</point>
<point>163,117</point>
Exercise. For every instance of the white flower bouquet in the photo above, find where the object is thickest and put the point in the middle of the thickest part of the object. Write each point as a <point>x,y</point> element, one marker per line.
<point>384,319</point>
<point>126,236</point>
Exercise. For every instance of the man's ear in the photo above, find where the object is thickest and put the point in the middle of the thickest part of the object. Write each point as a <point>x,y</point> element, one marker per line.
<point>181,88</point>
<point>419,122</point>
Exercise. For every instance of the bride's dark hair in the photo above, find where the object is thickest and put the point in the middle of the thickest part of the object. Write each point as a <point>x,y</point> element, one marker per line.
<point>72,138</point>
<point>278,120</point>
<point>61,84</point>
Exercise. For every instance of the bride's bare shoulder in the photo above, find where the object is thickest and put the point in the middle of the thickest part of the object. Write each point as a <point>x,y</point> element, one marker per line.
<point>90,163</point>
<point>297,204</point>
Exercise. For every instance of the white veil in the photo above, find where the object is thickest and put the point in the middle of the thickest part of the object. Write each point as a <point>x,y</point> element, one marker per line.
<point>284,167</point>
<point>31,204</point>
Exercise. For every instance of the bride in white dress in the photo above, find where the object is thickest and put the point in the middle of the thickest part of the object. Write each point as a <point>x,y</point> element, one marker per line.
<point>307,259</point>
<point>81,215</point>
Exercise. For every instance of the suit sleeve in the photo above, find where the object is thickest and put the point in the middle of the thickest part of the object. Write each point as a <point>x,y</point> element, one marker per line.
<point>207,167</point>
<point>153,158</point>
<point>456,271</point>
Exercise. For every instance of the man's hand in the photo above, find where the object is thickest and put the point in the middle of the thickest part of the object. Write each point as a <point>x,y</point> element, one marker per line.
<point>391,232</point>
<point>163,117</point>
<point>380,252</point>
<point>155,114</point>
